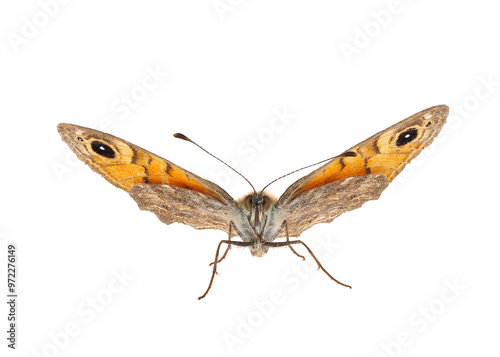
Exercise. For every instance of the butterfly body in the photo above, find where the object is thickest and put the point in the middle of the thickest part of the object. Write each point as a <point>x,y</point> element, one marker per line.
<point>258,210</point>
<point>174,194</point>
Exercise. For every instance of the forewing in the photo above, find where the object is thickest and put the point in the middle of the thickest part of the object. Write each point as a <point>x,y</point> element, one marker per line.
<point>385,153</point>
<point>125,164</point>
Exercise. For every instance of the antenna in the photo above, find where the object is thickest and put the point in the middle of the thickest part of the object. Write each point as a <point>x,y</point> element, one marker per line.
<point>184,137</point>
<point>294,171</point>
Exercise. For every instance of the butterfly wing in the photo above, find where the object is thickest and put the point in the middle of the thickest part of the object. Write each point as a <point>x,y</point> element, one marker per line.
<point>126,166</point>
<point>325,203</point>
<point>365,170</point>
<point>175,204</point>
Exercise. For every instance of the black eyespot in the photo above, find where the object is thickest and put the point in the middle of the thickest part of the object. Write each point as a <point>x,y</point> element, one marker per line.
<point>79,139</point>
<point>428,124</point>
<point>103,149</point>
<point>407,136</point>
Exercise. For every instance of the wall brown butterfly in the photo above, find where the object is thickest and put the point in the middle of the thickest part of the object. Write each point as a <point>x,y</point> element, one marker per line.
<point>342,184</point>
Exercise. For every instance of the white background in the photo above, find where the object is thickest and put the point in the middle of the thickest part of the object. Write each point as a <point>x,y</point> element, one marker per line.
<point>230,71</point>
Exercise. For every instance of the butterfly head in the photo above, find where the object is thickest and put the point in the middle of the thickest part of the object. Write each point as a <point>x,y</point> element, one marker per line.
<point>256,206</point>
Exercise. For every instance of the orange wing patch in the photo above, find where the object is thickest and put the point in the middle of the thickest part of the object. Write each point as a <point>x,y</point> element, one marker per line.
<point>124,164</point>
<point>386,153</point>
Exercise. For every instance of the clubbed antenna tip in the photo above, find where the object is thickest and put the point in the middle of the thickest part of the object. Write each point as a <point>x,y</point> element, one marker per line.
<point>181,136</point>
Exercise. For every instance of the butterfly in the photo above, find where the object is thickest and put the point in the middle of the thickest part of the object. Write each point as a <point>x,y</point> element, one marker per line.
<point>174,194</point>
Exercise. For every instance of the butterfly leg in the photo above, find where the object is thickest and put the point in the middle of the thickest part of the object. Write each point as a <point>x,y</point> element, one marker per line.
<point>227,249</point>
<point>216,260</point>
<point>290,242</point>
<point>289,245</point>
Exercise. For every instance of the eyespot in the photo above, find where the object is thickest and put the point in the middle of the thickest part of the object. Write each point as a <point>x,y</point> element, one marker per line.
<point>79,139</point>
<point>407,136</point>
<point>428,124</point>
<point>103,149</point>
